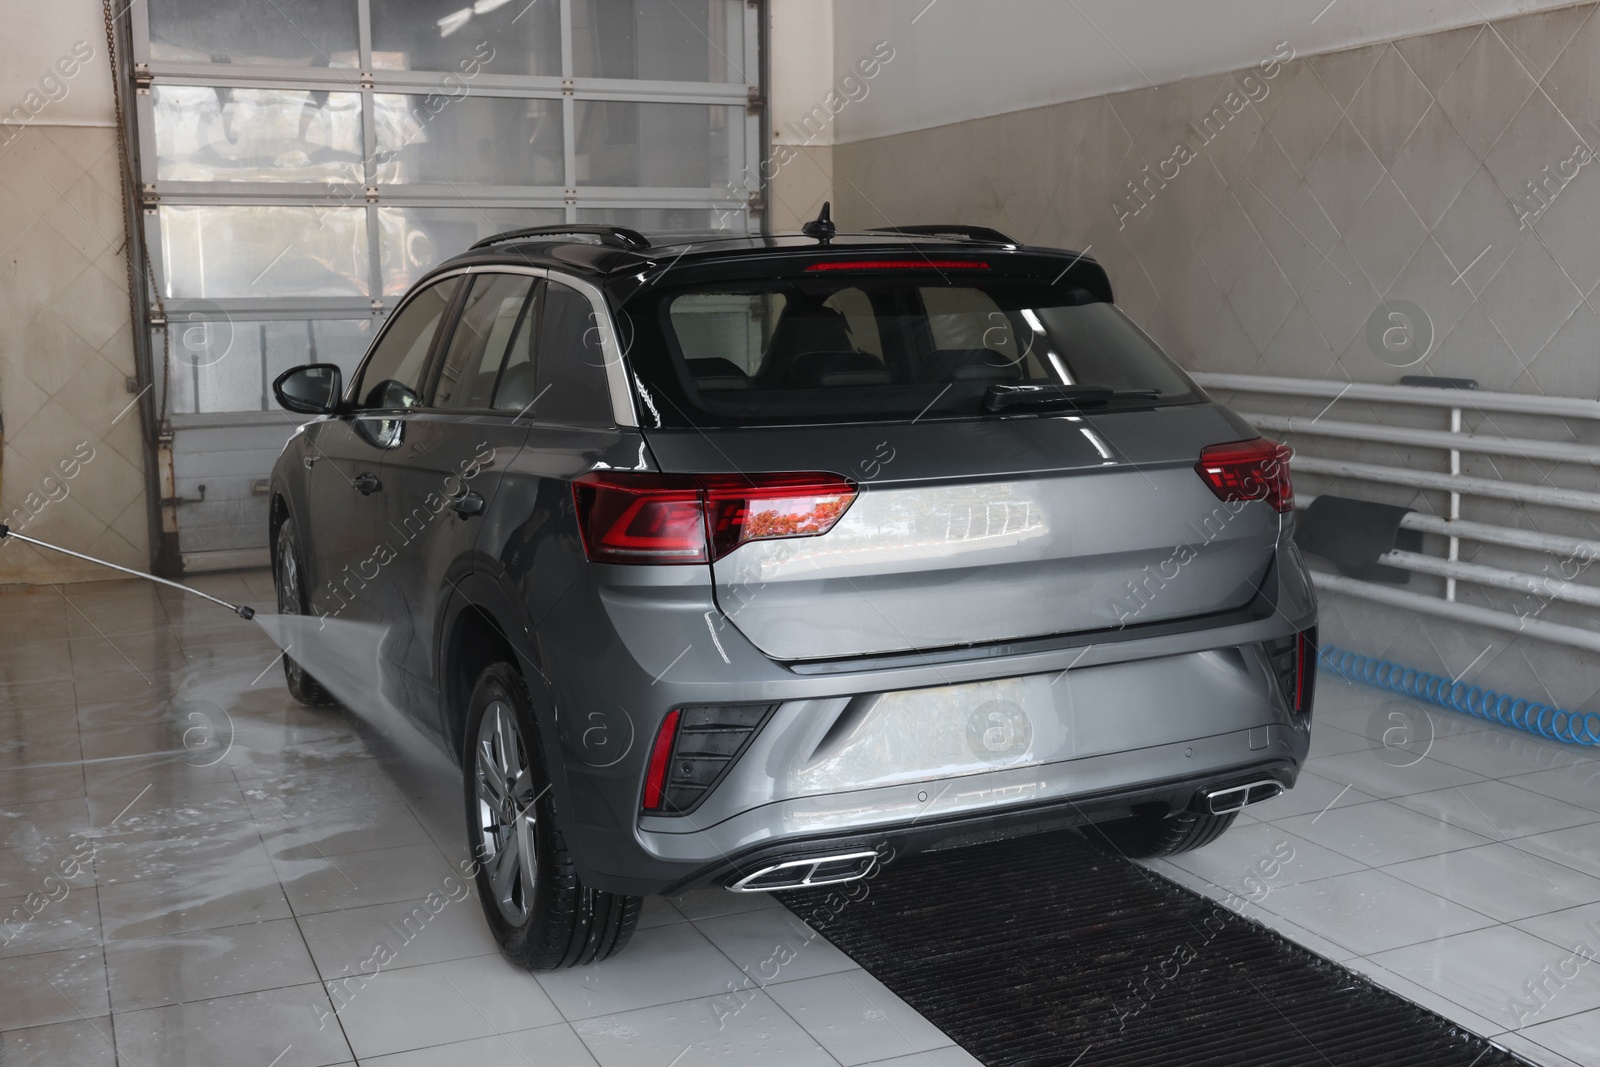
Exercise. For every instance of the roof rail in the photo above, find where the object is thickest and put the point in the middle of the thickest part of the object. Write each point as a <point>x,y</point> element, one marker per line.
<point>971,233</point>
<point>620,236</point>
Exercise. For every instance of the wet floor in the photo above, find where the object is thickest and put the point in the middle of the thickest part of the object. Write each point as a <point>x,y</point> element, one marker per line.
<point>196,870</point>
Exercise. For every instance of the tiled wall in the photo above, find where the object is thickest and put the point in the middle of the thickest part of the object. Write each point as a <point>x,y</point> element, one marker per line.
<point>1305,193</point>
<point>72,471</point>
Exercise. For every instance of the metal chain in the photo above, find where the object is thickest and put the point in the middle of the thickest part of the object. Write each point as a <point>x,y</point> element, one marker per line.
<point>130,189</point>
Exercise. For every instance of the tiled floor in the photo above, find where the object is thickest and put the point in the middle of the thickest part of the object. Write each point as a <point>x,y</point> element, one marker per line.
<point>195,870</point>
<point>1450,860</point>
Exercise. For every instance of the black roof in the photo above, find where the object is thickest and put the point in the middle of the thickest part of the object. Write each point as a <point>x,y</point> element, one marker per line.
<point>603,252</point>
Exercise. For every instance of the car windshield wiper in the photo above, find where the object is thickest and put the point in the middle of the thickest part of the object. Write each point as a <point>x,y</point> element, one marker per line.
<point>1049,396</point>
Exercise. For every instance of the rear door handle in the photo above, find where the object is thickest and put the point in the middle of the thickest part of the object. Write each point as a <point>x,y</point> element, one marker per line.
<point>366,483</point>
<point>467,504</point>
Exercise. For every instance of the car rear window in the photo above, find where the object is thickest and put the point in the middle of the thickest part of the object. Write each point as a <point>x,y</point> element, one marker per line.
<point>870,346</point>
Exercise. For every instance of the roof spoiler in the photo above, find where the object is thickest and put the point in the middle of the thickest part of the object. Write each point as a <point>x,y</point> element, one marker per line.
<point>616,236</point>
<point>970,233</point>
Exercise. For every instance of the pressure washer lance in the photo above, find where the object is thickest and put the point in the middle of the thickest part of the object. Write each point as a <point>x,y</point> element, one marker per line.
<point>243,611</point>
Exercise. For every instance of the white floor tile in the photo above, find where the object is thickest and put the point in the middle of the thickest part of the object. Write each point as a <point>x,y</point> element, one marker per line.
<point>1578,784</point>
<point>53,987</point>
<point>79,1042</point>
<point>1505,881</point>
<point>438,1003</point>
<point>1387,773</point>
<point>1489,971</point>
<point>291,1027</point>
<point>949,1056</point>
<point>1499,752</point>
<point>1370,911</point>
<point>1577,847</point>
<point>153,906</point>
<point>341,941</point>
<point>856,1018</point>
<point>1533,1052</point>
<point>709,903</point>
<point>1381,832</point>
<point>662,965</point>
<point>1576,1037</point>
<point>773,945</point>
<point>174,968</point>
<point>548,1046</point>
<point>744,1029</point>
<point>1498,810</point>
<point>1568,929</point>
<point>1248,858</point>
<point>1311,795</point>
<point>316,883</point>
<point>1404,987</point>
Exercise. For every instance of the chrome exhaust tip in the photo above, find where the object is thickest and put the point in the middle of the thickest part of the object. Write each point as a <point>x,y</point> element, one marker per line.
<point>1234,798</point>
<point>809,872</point>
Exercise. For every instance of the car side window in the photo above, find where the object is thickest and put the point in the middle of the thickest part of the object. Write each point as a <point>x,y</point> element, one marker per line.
<point>571,368</point>
<point>491,316</point>
<point>392,377</point>
<point>515,388</point>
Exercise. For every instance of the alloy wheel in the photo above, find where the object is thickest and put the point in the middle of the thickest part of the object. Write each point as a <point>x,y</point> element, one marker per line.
<point>506,816</point>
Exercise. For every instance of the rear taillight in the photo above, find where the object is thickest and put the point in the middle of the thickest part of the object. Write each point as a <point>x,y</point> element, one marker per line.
<point>632,517</point>
<point>1249,470</point>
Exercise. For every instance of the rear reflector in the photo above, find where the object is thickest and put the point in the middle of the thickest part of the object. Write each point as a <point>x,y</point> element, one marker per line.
<point>655,778</point>
<point>900,264</point>
<point>1249,470</point>
<point>1305,670</point>
<point>635,517</point>
<point>1294,661</point>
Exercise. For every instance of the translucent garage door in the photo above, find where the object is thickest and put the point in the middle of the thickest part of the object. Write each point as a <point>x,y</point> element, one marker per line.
<point>303,161</point>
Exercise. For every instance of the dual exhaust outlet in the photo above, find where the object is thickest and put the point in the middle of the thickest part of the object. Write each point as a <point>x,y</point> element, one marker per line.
<point>1235,797</point>
<point>842,867</point>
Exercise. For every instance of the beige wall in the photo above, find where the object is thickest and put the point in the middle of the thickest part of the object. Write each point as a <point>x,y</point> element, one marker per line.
<point>72,471</point>
<point>1395,171</point>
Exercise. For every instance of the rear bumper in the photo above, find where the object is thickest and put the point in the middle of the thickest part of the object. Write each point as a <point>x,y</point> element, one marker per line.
<point>1163,712</point>
<point>956,831</point>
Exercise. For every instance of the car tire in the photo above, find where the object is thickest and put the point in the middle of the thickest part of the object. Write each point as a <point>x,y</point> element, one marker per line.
<point>537,907</point>
<point>287,577</point>
<point>1147,835</point>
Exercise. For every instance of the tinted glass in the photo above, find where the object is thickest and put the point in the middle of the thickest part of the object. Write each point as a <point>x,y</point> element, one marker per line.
<point>392,378</point>
<point>490,318</point>
<point>515,389</point>
<point>571,367</point>
<point>855,345</point>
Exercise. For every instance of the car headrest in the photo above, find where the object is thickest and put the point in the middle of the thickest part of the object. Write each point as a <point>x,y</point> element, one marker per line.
<point>714,367</point>
<point>968,365</point>
<point>812,369</point>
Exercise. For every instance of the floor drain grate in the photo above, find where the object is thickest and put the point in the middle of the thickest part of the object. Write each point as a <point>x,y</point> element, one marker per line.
<point>1044,951</point>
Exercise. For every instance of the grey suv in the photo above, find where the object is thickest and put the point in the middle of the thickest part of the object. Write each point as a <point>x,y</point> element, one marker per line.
<point>751,561</point>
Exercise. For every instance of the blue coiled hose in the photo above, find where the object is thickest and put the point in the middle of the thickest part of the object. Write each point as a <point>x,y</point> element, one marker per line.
<point>1549,722</point>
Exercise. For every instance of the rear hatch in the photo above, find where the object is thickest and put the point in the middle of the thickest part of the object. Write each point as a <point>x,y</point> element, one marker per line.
<point>1023,458</point>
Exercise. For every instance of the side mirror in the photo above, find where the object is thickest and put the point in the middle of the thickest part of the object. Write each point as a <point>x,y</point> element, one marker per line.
<point>315,389</point>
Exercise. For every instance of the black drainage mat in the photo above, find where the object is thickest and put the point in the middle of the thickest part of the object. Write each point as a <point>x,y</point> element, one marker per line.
<point>1045,951</point>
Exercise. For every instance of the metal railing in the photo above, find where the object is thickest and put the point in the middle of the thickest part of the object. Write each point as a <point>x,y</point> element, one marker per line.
<point>1453,442</point>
